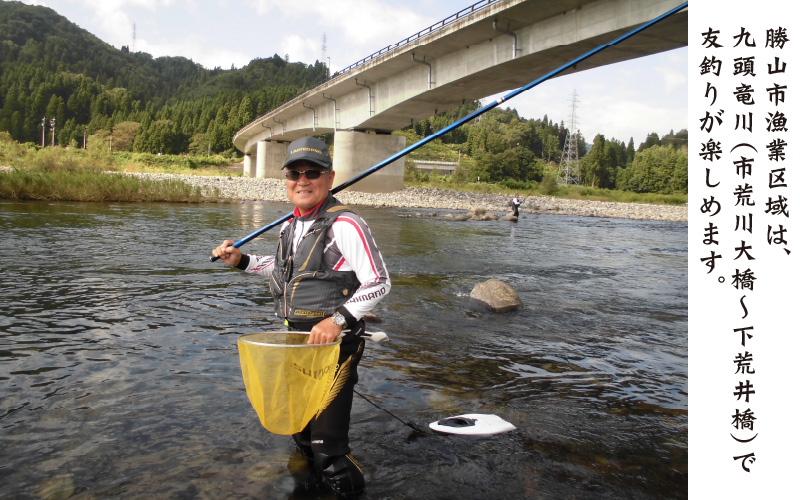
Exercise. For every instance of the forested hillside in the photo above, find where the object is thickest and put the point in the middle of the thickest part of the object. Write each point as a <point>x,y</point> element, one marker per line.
<point>52,69</point>
<point>49,67</point>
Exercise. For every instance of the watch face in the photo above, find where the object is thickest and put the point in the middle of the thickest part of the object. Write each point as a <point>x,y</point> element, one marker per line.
<point>339,320</point>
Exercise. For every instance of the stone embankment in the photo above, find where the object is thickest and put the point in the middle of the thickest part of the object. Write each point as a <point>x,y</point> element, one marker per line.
<point>243,188</point>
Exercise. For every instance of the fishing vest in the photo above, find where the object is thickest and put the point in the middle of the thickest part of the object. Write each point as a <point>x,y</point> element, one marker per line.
<point>304,288</point>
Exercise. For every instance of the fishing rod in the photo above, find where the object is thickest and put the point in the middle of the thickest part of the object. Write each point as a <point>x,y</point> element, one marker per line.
<point>346,184</point>
<point>526,196</point>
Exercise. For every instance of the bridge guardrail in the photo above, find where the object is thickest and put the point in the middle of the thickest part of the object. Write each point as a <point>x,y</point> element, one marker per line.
<point>427,31</point>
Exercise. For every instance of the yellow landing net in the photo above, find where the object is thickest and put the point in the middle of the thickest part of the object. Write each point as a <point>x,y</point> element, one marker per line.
<point>287,380</point>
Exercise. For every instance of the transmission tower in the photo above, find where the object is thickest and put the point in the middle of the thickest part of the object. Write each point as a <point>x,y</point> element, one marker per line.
<point>133,45</point>
<point>568,172</point>
<point>325,55</point>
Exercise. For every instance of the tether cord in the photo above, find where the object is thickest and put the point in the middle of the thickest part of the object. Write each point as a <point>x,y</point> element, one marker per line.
<point>408,424</point>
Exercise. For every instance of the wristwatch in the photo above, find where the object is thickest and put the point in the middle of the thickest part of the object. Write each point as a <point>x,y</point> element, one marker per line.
<point>339,320</point>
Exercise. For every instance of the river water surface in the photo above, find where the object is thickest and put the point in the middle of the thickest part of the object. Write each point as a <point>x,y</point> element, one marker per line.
<point>119,372</point>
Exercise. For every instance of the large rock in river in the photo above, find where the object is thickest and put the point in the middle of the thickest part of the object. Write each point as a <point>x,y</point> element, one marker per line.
<point>497,295</point>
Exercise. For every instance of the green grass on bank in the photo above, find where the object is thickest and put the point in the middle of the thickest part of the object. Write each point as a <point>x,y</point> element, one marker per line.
<point>549,188</point>
<point>28,184</point>
<point>95,174</point>
<point>175,164</point>
<point>78,175</point>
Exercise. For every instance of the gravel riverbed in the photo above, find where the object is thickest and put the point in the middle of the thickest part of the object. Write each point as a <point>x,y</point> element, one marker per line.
<point>446,200</point>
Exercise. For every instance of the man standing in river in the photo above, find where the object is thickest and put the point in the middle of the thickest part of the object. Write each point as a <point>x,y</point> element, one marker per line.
<point>325,276</point>
<point>515,203</point>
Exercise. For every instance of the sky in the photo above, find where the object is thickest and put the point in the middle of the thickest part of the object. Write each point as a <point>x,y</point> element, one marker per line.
<point>621,101</point>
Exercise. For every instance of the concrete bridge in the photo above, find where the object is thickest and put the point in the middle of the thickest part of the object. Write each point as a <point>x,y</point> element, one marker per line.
<point>443,167</point>
<point>490,47</point>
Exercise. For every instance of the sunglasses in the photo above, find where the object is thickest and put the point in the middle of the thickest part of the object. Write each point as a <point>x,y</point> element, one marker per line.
<point>311,174</point>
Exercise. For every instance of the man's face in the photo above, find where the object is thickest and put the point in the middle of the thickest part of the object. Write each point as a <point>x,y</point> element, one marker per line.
<point>306,194</point>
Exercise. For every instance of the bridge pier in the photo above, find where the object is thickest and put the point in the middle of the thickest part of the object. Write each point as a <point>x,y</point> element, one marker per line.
<point>269,159</point>
<point>355,152</point>
<point>248,169</point>
<point>261,159</point>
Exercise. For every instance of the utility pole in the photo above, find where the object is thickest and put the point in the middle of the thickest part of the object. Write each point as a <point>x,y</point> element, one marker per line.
<point>568,171</point>
<point>44,127</point>
<point>53,131</point>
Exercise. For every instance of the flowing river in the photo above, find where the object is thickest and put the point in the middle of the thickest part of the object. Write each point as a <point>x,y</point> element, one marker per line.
<point>120,377</point>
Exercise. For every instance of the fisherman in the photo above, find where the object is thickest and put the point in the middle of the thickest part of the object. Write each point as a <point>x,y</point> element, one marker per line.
<point>326,275</point>
<point>515,203</point>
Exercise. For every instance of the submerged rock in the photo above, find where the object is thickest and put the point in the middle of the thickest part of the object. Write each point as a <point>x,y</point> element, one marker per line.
<point>477,212</point>
<point>496,295</point>
<point>371,318</point>
<point>266,471</point>
<point>58,487</point>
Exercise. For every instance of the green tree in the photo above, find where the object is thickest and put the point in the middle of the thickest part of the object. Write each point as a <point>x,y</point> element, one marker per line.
<point>159,136</point>
<point>198,145</point>
<point>630,153</point>
<point>652,140</point>
<point>679,182</point>
<point>659,169</point>
<point>596,167</point>
<point>124,135</point>
<point>677,141</point>
<point>551,151</point>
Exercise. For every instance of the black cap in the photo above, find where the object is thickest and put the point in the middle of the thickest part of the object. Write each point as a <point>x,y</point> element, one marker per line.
<point>309,149</point>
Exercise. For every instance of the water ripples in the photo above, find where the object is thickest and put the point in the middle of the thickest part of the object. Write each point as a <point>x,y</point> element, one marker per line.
<point>118,355</point>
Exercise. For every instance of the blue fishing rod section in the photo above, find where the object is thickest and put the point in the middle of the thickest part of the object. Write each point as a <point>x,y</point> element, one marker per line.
<point>346,184</point>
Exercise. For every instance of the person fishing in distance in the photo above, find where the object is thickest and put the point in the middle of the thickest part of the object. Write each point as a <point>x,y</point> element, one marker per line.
<point>325,276</point>
<point>515,203</point>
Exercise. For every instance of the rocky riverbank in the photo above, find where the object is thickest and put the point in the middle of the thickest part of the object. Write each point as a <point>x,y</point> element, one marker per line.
<point>243,188</point>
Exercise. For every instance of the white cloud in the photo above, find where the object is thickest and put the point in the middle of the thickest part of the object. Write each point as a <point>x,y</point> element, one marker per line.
<point>675,81</point>
<point>216,56</point>
<point>354,28</point>
<point>117,27</point>
<point>301,49</point>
